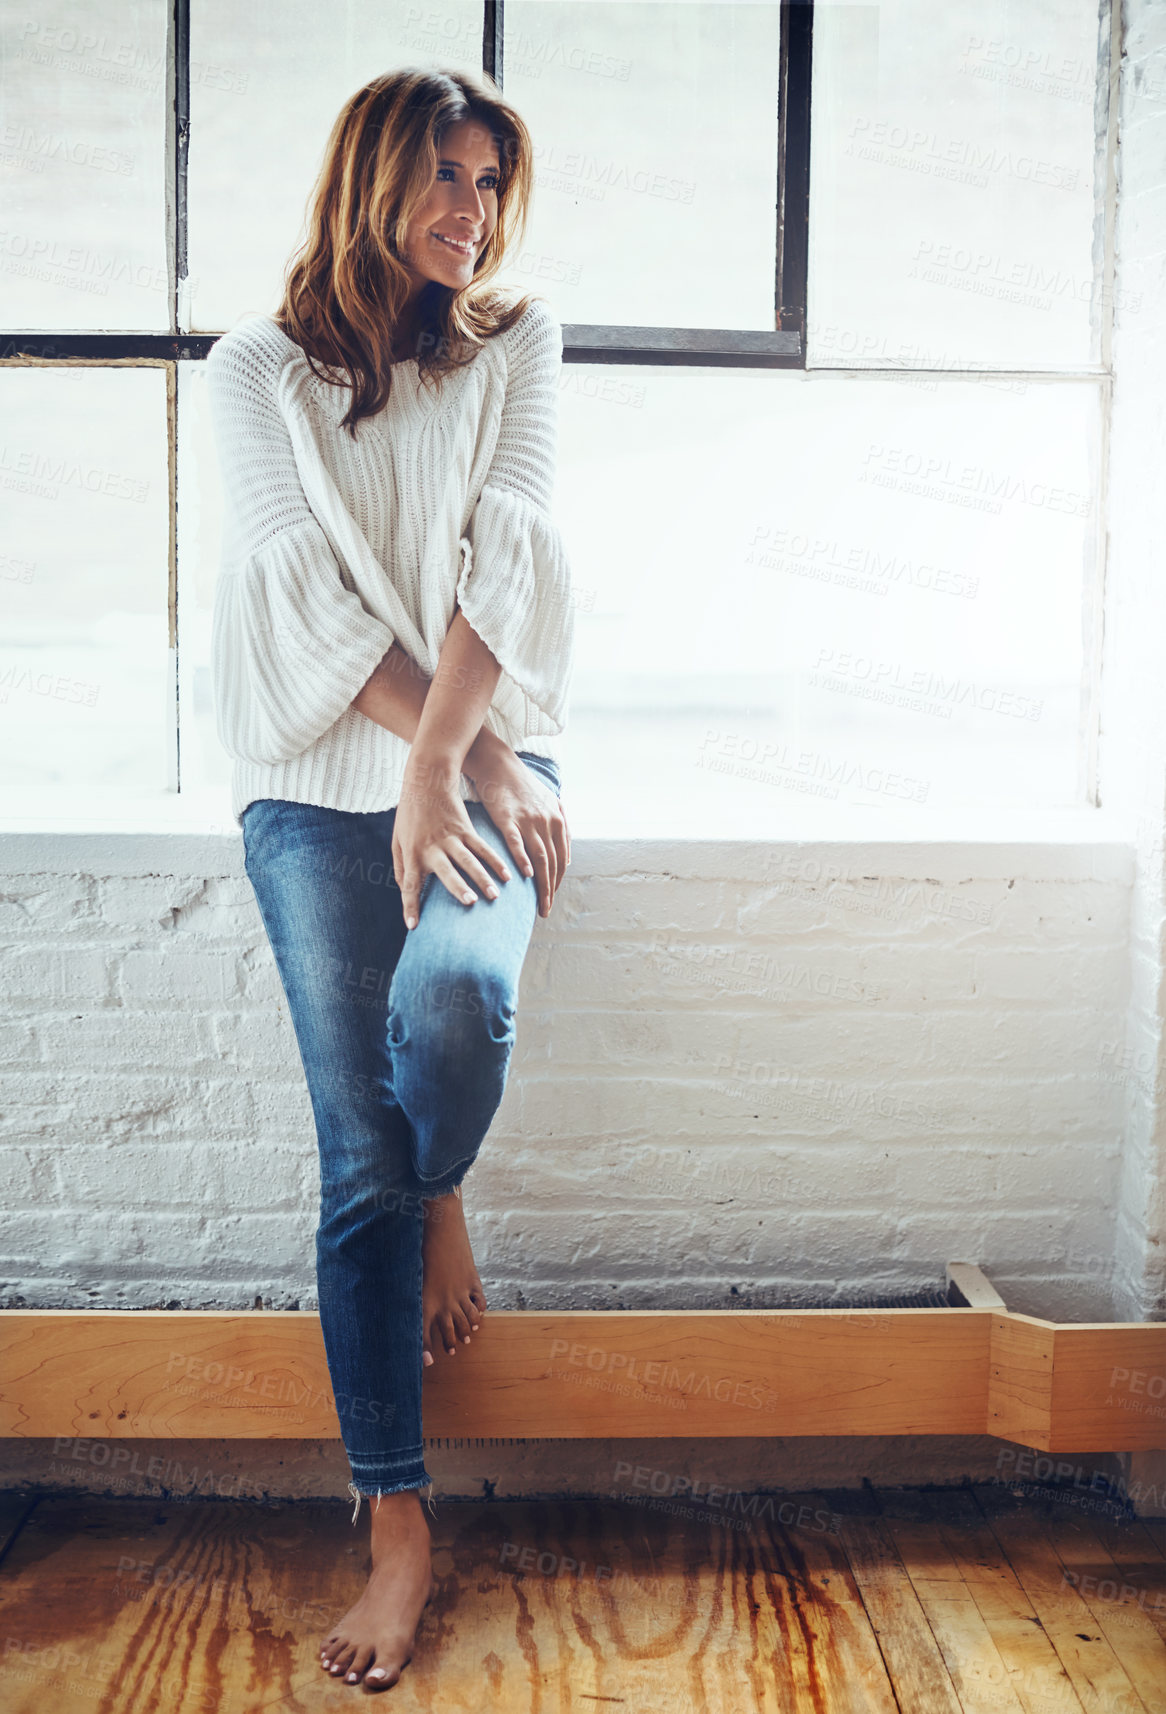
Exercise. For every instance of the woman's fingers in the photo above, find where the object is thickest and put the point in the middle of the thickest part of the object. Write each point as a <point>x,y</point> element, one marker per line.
<point>545,850</point>
<point>408,878</point>
<point>459,852</point>
<point>557,838</point>
<point>539,845</point>
<point>497,862</point>
<point>562,847</point>
<point>452,865</point>
<point>512,834</point>
<point>555,843</point>
<point>450,877</point>
<point>541,861</point>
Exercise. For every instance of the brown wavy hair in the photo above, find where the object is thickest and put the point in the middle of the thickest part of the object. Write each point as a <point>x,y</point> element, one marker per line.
<point>346,285</point>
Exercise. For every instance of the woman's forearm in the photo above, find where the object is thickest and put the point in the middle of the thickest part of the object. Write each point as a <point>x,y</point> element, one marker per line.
<point>394,694</point>
<point>455,705</point>
<point>396,691</point>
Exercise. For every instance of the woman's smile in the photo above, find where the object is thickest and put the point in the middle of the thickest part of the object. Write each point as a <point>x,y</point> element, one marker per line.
<point>464,246</point>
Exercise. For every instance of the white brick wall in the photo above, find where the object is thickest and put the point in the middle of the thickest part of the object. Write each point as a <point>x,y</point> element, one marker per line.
<point>744,1075</point>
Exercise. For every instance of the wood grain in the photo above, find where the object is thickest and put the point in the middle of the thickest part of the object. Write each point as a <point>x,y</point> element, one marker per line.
<point>1020,1383</point>
<point>135,1608</point>
<point>1124,1586</point>
<point>583,1374</point>
<point>564,1375</point>
<point>982,1671</point>
<point>866,1603</point>
<point>1109,1388</point>
<point>1093,1667</point>
<point>913,1658</point>
<point>955,1526</point>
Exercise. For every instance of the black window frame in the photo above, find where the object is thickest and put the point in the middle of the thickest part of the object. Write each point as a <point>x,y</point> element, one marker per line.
<point>784,347</point>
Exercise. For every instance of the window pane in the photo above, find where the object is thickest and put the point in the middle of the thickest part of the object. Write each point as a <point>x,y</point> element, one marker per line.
<point>82,165</point>
<point>955,186</point>
<point>799,591</point>
<point>655,135</point>
<point>267,82</point>
<point>86,692</point>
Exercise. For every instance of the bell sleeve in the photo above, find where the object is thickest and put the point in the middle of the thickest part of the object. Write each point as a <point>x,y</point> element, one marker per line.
<point>291,643</point>
<point>514,582</point>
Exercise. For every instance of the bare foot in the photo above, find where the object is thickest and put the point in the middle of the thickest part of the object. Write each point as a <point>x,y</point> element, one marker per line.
<point>452,1299</point>
<point>374,1640</point>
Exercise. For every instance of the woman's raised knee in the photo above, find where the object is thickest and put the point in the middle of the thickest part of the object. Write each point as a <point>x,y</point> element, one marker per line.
<point>449,1011</point>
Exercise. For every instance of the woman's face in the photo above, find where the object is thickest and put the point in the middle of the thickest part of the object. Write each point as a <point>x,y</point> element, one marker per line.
<point>452,226</point>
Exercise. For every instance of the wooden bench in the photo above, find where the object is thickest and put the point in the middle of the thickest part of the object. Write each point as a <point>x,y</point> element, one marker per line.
<point>971,1367</point>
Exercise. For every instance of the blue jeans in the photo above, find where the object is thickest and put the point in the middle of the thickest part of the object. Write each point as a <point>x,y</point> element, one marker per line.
<point>405,1039</point>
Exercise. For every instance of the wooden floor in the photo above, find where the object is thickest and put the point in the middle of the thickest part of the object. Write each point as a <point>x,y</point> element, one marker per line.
<point>928,1602</point>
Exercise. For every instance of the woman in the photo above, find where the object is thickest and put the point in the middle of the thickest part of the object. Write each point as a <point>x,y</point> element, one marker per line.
<point>392,644</point>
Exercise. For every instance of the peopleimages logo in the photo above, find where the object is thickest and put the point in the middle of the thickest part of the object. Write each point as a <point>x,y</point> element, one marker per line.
<point>92,270</point>
<point>663,1376</point>
<point>769,762</point>
<point>667,1485</point>
<point>844,670</point>
<point>36,147</point>
<point>57,472</point>
<point>590,170</point>
<point>779,549</point>
<point>936,476</point>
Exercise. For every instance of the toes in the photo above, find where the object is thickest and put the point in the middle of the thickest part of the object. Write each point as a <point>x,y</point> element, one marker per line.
<point>461,1324</point>
<point>361,1661</point>
<point>342,1659</point>
<point>382,1677</point>
<point>469,1315</point>
<point>444,1324</point>
<point>478,1298</point>
<point>435,1339</point>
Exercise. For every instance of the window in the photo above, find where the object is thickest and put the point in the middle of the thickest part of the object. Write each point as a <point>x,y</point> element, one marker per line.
<point>831,405</point>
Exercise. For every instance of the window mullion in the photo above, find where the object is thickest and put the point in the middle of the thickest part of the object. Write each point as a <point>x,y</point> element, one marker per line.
<point>177,146</point>
<point>177,150</point>
<point>492,40</point>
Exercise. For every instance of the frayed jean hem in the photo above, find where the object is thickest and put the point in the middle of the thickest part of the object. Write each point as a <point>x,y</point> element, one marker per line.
<point>390,1488</point>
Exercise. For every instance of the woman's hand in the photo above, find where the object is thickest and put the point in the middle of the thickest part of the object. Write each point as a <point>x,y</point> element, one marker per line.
<point>526,813</point>
<point>433,834</point>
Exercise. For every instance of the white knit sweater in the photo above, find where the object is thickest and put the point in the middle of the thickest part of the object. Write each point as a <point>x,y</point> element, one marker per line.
<point>334,548</point>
